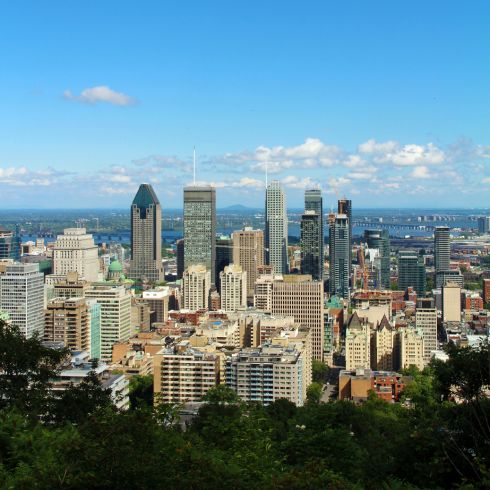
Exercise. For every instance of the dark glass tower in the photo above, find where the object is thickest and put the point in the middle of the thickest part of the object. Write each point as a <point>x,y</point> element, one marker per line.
<point>311,260</point>
<point>380,239</point>
<point>411,272</point>
<point>224,256</point>
<point>10,244</point>
<point>146,236</point>
<point>314,202</point>
<point>200,228</point>
<point>345,207</point>
<point>340,255</point>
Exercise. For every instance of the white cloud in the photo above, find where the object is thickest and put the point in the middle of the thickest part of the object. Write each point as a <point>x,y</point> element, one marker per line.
<point>421,172</point>
<point>485,180</point>
<point>412,155</point>
<point>372,146</point>
<point>101,93</point>
<point>122,179</point>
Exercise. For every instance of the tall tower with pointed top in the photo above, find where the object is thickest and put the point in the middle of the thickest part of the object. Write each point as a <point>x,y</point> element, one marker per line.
<point>146,236</point>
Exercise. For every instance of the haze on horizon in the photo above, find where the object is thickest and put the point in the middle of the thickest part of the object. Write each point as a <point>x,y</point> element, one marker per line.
<point>386,103</point>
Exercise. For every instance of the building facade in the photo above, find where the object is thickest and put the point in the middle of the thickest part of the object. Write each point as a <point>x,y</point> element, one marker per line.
<point>340,255</point>
<point>411,272</point>
<point>146,236</point>
<point>311,249</point>
<point>197,285</point>
<point>426,323</point>
<point>380,239</point>
<point>233,288</point>
<point>200,228</point>
<point>314,202</point>
<point>276,228</point>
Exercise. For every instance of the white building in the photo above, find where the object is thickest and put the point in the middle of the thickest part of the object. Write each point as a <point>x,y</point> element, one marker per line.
<point>233,280</point>
<point>75,251</point>
<point>197,284</point>
<point>115,316</point>
<point>22,297</point>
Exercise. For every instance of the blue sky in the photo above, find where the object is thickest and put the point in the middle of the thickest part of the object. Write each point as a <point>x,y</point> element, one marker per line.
<point>385,102</point>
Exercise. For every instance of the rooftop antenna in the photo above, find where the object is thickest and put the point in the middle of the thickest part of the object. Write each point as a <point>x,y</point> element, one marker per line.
<point>194,159</point>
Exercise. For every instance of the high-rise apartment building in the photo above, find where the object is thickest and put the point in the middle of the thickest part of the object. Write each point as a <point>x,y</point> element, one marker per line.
<point>276,228</point>
<point>248,252</point>
<point>426,323</point>
<point>442,248</point>
<point>197,285</point>
<point>22,297</point>
<point>200,228</point>
<point>183,374</point>
<point>115,316</point>
<point>146,236</point>
<point>280,368</point>
<point>380,239</point>
<point>411,272</point>
<point>311,252</point>
<point>302,298</point>
<point>75,251</point>
<point>224,256</point>
<point>233,288</point>
<point>340,255</point>
<point>314,202</point>
<point>68,321</point>
<point>411,348</point>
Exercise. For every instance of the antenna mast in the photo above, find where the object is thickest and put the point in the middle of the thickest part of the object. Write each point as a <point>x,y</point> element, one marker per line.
<point>194,159</point>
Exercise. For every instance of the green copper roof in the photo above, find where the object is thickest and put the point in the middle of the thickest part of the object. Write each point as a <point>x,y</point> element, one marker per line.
<point>334,302</point>
<point>115,266</point>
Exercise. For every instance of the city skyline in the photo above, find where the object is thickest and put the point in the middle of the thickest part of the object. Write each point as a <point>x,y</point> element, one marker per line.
<point>318,95</point>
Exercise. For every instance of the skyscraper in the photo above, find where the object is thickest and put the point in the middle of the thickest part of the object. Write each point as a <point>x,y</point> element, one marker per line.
<point>224,256</point>
<point>339,254</point>
<point>380,239</point>
<point>9,244</point>
<point>276,228</point>
<point>314,202</point>
<point>200,228</point>
<point>411,272</point>
<point>146,236</point>
<point>75,251</point>
<point>442,248</point>
<point>311,260</point>
<point>248,251</point>
<point>233,288</point>
<point>22,297</point>
<point>345,207</point>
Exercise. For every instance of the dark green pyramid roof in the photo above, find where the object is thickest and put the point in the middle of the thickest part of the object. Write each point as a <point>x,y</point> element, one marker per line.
<point>145,197</point>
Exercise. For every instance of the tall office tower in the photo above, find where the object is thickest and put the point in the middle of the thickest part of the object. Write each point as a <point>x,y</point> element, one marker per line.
<point>345,207</point>
<point>302,298</point>
<point>311,252</point>
<point>380,240</point>
<point>115,316</point>
<point>484,224</point>
<point>411,272</point>
<point>75,251</point>
<point>68,321</point>
<point>197,285</point>
<point>426,323</point>
<point>276,228</point>
<point>451,303</point>
<point>442,248</point>
<point>224,256</point>
<point>314,202</point>
<point>200,228</point>
<point>233,288</point>
<point>179,245</point>
<point>22,297</point>
<point>248,252</point>
<point>340,256</point>
<point>146,236</point>
<point>9,244</point>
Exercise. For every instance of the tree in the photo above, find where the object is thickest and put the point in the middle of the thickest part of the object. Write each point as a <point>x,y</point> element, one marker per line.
<point>141,391</point>
<point>314,393</point>
<point>320,371</point>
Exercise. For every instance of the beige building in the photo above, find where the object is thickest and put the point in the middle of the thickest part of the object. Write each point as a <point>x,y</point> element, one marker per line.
<point>280,368</point>
<point>426,323</point>
<point>157,300</point>
<point>248,252</point>
<point>140,315</point>
<point>68,321</point>
<point>451,302</point>
<point>115,316</point>
<point>134,363</point>
<point>222,332</point>
<point>184,374</point>
<point>75,251</point>
<point>300,297</point>
<point>411,348</point>
<point>383,341</point>
<point>357,344</point>
<point>197,284</point>
<point>263,291</point>
<point>70,286</point>
<point>233,280</point>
